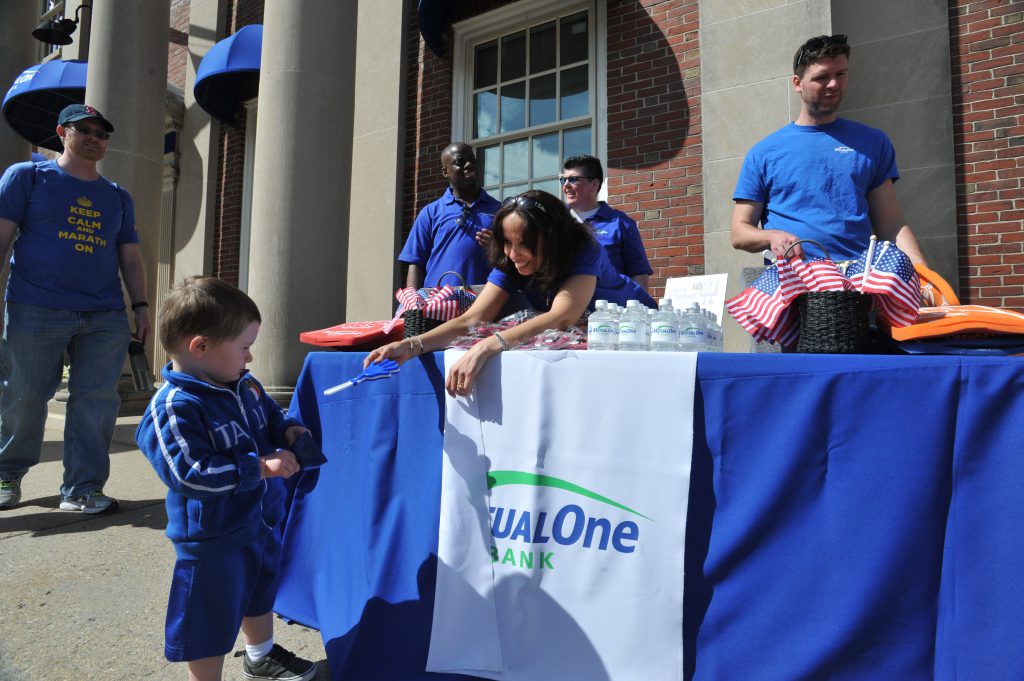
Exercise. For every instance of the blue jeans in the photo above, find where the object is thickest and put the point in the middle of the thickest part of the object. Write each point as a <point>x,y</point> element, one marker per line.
<point>31,362</point>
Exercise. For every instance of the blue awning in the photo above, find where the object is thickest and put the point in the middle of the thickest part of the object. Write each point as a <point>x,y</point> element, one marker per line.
<point>230,73</point>
<point>433,19</point>
<point>37,96</point>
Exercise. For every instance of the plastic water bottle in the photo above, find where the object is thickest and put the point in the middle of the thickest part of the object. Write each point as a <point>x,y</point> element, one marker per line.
<point>665,328</point>
<point>602,331</point>
<point>719,340</point>
<point>693,334</point>
<point>633,329</point>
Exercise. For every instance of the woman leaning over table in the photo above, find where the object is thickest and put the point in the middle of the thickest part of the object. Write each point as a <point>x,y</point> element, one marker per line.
<point>537,248</point>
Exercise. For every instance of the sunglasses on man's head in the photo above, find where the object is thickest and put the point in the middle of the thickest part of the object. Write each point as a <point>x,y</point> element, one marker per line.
<point>572,179</point>
<point>462,161</point>
<point>815,44</point>
<point>525,202</point>
<point>98,133</point>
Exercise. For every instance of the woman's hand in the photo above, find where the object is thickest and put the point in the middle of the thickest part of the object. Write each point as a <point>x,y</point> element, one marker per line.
<point>463,373</point>
<point>398,351</point>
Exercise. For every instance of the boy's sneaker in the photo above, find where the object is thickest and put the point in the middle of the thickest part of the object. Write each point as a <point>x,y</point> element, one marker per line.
<point>91,502</point>
<point>10,494</point>
<point>280,665</point>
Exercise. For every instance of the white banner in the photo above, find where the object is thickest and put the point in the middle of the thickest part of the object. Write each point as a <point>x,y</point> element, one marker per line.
<point>563,513</point>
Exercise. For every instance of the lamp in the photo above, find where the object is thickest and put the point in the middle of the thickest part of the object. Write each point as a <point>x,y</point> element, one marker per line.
<point>58,31</point>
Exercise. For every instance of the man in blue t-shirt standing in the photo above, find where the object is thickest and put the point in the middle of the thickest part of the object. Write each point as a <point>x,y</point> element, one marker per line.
<point>74,238</point>
<point>581,181</point>
<point>821,177</point>
<point>451,234</point>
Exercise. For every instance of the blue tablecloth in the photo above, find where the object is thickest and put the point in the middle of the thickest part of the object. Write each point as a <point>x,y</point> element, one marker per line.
<point>854,517</point>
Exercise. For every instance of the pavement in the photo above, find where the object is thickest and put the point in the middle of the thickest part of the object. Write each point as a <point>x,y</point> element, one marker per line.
<point>83,597</point>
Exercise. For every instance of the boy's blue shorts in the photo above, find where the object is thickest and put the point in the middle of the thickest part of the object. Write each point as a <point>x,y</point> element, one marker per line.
<point>210,596</point>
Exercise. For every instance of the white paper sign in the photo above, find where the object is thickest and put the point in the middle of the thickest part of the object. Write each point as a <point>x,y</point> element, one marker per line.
<point>706,290</point>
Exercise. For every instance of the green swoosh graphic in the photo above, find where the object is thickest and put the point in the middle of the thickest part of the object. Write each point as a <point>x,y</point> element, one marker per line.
<point>499,478</point>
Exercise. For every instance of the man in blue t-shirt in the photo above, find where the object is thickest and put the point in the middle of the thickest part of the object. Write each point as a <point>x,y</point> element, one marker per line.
<point>451,233</point>
<point>74,239</point>
<point>581,181</point>
<point>821,177</point>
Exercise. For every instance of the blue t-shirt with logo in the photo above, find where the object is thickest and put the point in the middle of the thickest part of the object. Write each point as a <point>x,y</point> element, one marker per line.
<point>443,240</point>
<point>814,180</point>
<point>612,285</point>
<point>65,255</point>
<point>619,235</point>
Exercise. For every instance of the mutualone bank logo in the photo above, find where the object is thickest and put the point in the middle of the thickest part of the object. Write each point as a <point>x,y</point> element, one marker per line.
<point>528,538</point>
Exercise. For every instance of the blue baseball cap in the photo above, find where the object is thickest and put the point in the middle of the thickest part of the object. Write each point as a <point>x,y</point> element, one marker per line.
<point>79,112</point>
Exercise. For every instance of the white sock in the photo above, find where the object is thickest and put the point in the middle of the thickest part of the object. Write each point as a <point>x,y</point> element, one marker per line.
<point>260,650</point>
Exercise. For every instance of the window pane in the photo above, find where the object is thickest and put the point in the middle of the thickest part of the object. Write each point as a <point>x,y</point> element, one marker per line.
<point>489,160</point>
<point>485,114</point>
<point>574,38</point>
<point>515,162</point>
<point>542,47</point>
<point>513,190</point>
<point>545,156</point>
<point>513,56</point>
<point>542,99</point>
<point>486,67</point>
<point>513,107</point>
<point>549,186</point>
<point>576,142</point>
<point>575,95</point>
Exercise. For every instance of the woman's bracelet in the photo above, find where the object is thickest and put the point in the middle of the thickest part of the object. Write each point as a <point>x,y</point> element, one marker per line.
<point>501,341</point>
<point>413,342</point>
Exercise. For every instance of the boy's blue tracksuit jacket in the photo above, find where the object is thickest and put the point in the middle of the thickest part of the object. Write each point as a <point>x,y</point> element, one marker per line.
<point>205,442</point>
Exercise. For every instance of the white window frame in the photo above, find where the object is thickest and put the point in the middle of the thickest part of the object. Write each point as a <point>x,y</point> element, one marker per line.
<point>508,19</point>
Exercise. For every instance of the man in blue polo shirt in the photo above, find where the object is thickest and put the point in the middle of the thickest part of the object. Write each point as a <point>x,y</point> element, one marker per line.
<point>451,234</point>
<point>74,239</point>
<point>581,180</point>
<point>821,177</point>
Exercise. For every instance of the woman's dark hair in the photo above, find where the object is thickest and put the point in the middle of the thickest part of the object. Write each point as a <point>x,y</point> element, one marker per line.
<point>544,214</point>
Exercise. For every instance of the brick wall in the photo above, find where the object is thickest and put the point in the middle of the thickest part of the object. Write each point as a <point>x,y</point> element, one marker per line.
<point>653,167</point>
<point>231,163</point>
<point>987,50</point>
<point>177,50</point>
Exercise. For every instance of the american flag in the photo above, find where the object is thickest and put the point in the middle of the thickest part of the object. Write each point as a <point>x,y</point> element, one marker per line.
<point>763,308</point>
<point>893,283</point>
<point>818,274</point>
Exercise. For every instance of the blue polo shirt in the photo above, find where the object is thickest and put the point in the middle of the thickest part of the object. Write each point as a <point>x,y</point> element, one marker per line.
<point>612,285</point>
<point>442,240</point>
<point>619,235</point>
<point>814,182</point>
<point>66,256</point>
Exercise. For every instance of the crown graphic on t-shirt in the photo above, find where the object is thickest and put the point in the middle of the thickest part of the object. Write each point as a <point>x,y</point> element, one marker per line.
<point>84,201</point>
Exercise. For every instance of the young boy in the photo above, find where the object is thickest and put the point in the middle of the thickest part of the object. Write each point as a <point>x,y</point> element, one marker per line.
<point>220,444</point>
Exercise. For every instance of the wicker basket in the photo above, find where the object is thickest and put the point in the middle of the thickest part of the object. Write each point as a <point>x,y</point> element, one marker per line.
<point>833,321</point>
<point>416,323</point>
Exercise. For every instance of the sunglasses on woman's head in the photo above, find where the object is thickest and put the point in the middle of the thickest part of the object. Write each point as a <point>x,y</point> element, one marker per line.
<point>524,202</point>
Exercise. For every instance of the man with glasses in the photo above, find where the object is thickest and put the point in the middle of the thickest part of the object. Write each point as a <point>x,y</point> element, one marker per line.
<point>821,177</point>
<point>74,240</point>
<point>581,180</point>
<point>451,233</point>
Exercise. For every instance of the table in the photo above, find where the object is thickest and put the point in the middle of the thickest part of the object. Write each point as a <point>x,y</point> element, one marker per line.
<point>869,529</point>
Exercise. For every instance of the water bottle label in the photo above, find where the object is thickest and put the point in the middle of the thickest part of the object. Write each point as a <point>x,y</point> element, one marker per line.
<point>632,333</point>
<point>601,332</point>
<point>664,334</point>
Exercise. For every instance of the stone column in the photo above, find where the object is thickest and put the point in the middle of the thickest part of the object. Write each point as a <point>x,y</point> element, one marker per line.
<point>18,51</point>
<point>127,82</point>
<point>378,133</point>
<point>301,174</point>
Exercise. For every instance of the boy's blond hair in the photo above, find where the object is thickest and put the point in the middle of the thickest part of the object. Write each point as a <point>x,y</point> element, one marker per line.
<point>204,306</point>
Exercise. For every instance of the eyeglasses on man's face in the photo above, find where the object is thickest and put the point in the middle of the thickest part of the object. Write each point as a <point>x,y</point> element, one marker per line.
<point>525,202</point>
<point>572,179</point>
<point>98,133</point>
<point>462,161</point>
<point>815,44</point>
